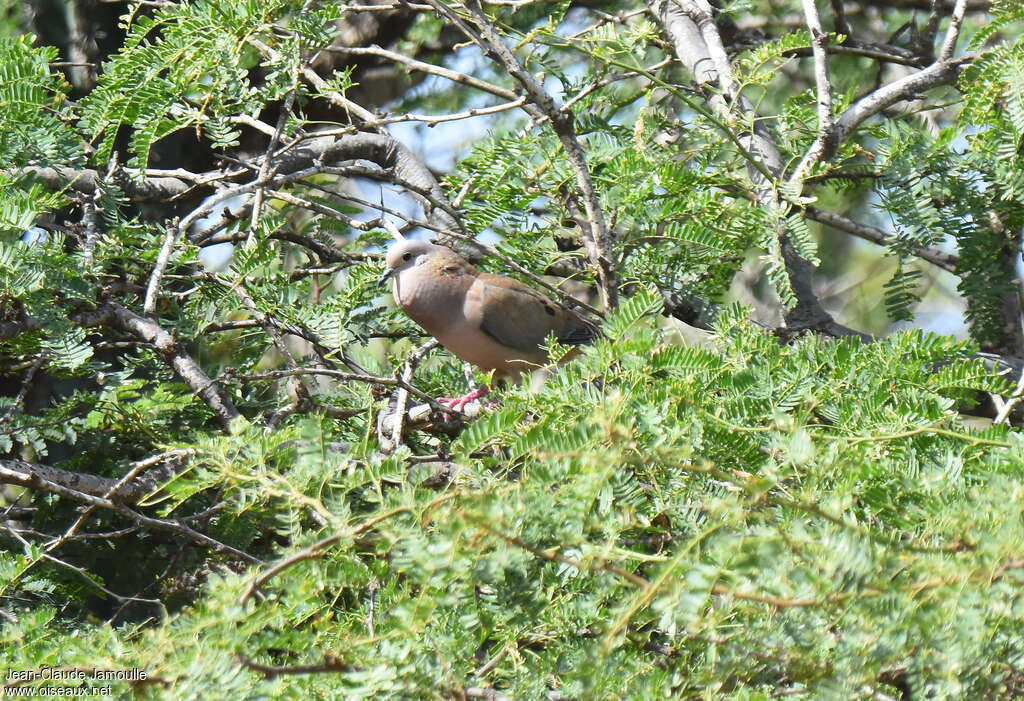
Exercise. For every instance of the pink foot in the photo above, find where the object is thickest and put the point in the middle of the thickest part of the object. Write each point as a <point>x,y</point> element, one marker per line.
<point>458,403</point>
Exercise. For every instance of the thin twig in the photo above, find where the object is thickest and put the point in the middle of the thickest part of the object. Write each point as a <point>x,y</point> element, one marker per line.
<point>265,165</point>
<point>946,261</point>
<point>822,146</point>
<point>402,399</point>
<point>160,267</point>
<point>413,64</point>
<point>26,384</point>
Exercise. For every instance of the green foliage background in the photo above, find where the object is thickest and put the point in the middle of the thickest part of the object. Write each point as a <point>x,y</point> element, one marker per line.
<point>739,519</point>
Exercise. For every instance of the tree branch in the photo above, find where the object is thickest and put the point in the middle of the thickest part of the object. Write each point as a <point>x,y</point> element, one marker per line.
<point>946,261</point>
<point>824,142</point>
<point>44,478</point>
<point>166,345</point>
<point>601,245</point>
<point>935,75</point>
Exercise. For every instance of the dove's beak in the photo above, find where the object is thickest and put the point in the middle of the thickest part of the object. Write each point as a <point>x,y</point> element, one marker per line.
<point>385,276</point>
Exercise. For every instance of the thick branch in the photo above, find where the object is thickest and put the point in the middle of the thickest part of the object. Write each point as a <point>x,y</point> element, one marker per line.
<point>92,485</point>
<point>380,149</point>
<point>939,73</point>
<point>41,477</point>
<point>115,316</point>
<point>946,261</point>
<point>10,329</point>
<point>88,182</point>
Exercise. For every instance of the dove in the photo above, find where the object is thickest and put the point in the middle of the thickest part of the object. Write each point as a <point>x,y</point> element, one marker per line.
<point>492,321</point>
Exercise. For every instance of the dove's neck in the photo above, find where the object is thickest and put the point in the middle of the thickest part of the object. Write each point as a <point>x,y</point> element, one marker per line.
<point>432,298</point>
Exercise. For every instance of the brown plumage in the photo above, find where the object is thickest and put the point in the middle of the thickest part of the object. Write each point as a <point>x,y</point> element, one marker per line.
<point>492,321</point>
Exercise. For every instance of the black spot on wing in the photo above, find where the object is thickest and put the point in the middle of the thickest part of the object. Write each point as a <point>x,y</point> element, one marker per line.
<point>579,332</point>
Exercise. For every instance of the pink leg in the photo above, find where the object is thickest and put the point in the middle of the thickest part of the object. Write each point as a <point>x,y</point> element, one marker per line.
<point>458,403</point>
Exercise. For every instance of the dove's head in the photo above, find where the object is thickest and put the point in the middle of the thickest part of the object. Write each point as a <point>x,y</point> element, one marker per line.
<point>409,254</point>
<point>404,255</point>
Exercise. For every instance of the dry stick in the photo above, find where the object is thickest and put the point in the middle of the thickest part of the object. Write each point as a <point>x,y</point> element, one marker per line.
<point>613,78</point>
<point>926,35</point>
<point>447,232</point>
<point>647,585</point>
<point>265,169</point>
<point>490,250</point>
<point>132,473</point>
<point>10,329</point>
<point>601,245</point>
<point>80,571</point>
<point>942,72</point>
<point>160,267</point>
<point>34,481</point>
<point>839,15</point>
<point>477,692</point>
<point>79,481</point>
<point>823,141</point>
<point>953,33</point>
<point>454,76</point>
<point>429,120</point>
<point>92,215</point>
<point>87,181</point>
<point>946,261</point>
<point>604,18</point>
<point>166,345</point>
<point>402,399</point>
<point>330,664</point>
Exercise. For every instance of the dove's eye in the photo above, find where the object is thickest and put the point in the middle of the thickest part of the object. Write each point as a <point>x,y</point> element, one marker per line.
<point>407,256</point>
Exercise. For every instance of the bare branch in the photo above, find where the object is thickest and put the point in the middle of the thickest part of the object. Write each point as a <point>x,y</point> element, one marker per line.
<point>166,345</point>
<point>946,261</point>
<point>824,143</point>
<point>401,401</point>
<point>935,75</point>
<point>129,491</point>
<point>601,244</point>
<point>330,664</point>
<point>953,33</point>
<point>160,267</point>
<point>303,401</point>
<point>265,164</point>
<point>31,475</point>
<point>413,64</point>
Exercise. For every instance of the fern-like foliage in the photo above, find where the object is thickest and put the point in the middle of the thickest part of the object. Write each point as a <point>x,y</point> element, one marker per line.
<point>35,120</point>
<point>188,65</point>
